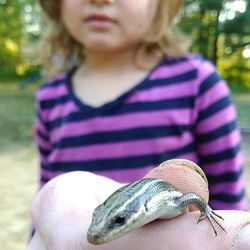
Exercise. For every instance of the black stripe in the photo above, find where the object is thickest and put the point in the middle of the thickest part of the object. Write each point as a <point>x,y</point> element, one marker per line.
<point>179,79</point>
<point>217,133</point>
<point>42,135</point>
<point>120,163</point>
<point>174,61</point>
<point>214,108</point>
<point>55,83</point>
<point>120,136</point>
<point>227,197</point>
<point>177,103</point>
<point>43,166</point>
<point>208,83</point>
<point>43,152</point>
<point>223,155</point>
<point>44,179</point>
<point>180,103</point>
<point>226,177</point>
<point>48,104</point>
<point>39,116</point>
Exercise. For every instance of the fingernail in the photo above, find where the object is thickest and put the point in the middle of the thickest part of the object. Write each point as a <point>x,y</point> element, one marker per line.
<point>243,238</point>
<point>188,164</point>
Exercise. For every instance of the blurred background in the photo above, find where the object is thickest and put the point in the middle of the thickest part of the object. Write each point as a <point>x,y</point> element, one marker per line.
<point>220,30</point>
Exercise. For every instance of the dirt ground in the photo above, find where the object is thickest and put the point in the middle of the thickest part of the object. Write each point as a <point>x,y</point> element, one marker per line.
<point>18,183</point>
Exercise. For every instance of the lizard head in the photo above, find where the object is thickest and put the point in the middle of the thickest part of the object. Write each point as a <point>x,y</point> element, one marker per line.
<point>121,213</point>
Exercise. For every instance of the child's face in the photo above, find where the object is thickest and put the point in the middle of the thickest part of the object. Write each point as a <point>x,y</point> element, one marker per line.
<point>107,25</point>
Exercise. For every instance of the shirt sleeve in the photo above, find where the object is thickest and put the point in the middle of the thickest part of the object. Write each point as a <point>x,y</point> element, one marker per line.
<point>42,141</point>
<point>218,141</point>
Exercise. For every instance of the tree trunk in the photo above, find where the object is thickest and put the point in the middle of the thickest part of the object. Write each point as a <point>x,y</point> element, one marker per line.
<point>202,40</point>
<point>216,38</point>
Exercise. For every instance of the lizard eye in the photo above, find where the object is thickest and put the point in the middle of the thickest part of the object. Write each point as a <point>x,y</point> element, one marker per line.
<point>120,219</point>
<point>117,221</point>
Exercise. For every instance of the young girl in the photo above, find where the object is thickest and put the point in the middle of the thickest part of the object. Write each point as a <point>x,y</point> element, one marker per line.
<point>129,97</point>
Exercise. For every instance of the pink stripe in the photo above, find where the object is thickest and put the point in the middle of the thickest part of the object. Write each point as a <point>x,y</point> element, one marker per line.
<point>122,122</point>
<point>206,68</point>
<point>241,205</point>
<point>232,188</point>
<point>189,156</point>
<point>167,71</point>
<point>58,77</point>
<point>126,175</point>
<point>215,121</point>
<point>182,68</point>
<point>122,149</point>
<point>225,166</point>
<point>220,144</point>
<point>61,110</point>
<point>52,93</point>
<point>162,93</point>
<point>44,160</point>
<point>213,95</point>
<point>43,144</point>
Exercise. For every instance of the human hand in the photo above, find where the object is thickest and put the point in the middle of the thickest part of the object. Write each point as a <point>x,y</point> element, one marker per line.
<point>62,213</point>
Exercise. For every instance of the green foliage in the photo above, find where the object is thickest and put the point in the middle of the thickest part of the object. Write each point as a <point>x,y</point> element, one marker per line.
<point>209,5</point>
<point>11,32</point>
<point>239,25</point>
<point>221,34</point>
<point>14,16</point>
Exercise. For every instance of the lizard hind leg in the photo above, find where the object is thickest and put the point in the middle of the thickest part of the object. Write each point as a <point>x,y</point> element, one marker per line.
<point>206,212</point>
<point>213,219</point>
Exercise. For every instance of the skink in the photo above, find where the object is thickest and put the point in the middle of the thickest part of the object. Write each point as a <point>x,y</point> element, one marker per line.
<point>141,202</point>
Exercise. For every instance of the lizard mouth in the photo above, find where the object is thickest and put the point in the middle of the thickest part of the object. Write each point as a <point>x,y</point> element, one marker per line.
<point>95,238</point>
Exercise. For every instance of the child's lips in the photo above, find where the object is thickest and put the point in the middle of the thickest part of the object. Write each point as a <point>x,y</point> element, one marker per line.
<point>100,21</point>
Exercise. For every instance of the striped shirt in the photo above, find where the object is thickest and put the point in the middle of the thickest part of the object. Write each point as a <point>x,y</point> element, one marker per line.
<point>182,109</point>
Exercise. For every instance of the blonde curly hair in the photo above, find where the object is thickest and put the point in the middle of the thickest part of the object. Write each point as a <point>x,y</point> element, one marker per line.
<point>60,52</point>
